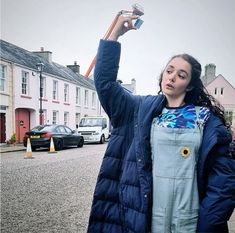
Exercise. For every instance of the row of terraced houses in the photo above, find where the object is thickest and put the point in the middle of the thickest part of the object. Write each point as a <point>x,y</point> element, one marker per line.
<point>66,94</point>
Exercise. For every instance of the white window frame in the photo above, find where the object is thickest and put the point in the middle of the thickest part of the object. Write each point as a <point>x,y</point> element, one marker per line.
<point>43,86</point>
<point>44,116</point>
<point>77,118</point>
<point>66,118</point>
<point>78,95</point>
<point>55,117</point>
<point>25,83</point>
<point>93,103</point>
<point>216,90</point>
<point>222,91</point>
<point>2,78</point>
<point>66,92</point>
<point>86,98</point>
<point>55,90</point>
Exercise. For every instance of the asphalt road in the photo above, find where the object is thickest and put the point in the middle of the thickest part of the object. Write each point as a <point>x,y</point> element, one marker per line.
<point>52,192</point>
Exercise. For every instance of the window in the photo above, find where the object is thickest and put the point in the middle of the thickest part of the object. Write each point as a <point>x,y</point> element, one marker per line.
<point>229,116</point>
<point>55,116</point>
<point>78,95</point>
<point>93,100</point>
<point>66,118</point>
<point>66,93</point>
<point>44,116</point>
<point>68,130</point>
<point>43,86</point>
<point>222,91</point>
<point>215,91</point>
<point>61,129</point>
<point>77,118</point>
<point>86,98</point>
<point>25,83</point>
<point>2,77</point>
<point>55,90</point>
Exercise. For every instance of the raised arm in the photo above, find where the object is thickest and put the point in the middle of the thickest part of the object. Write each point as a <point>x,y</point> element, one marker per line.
<point>117,102</point>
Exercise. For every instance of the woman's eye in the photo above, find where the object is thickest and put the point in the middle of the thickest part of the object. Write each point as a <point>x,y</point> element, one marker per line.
<point>169,71</point>
<point>181,76</point>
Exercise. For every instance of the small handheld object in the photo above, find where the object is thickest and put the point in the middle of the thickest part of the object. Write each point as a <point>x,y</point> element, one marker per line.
<point>137,10</point>
<point>138,23</point>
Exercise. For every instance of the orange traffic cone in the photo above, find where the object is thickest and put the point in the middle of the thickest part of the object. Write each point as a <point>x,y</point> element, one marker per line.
<point>29,154</point>
<point>52,147</point>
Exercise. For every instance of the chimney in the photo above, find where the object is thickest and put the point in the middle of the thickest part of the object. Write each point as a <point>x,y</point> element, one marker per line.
<point>75,68</point>
<point>209,73</point>
<point>45,54</point>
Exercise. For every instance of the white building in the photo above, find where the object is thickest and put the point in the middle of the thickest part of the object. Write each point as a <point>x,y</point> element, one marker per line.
<point>67,95</point>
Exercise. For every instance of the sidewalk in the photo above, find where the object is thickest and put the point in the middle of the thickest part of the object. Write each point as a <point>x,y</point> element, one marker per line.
<point>11,147</point>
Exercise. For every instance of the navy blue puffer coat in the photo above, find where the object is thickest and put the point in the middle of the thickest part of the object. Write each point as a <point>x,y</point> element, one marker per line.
<point>122,199</point>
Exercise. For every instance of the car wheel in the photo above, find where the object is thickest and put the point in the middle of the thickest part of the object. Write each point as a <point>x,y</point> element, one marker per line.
<point>102,139</point>
<point>81,142</point>
<point>59,145</point>
<point>34,148</point>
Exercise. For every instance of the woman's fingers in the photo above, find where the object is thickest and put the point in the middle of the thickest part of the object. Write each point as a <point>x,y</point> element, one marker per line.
<point>124,24</point>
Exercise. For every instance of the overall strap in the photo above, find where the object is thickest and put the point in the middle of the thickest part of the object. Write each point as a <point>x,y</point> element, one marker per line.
<point>197,121</point>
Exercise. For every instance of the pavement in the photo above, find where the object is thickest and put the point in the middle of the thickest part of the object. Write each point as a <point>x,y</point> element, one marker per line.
<point>11,147</point>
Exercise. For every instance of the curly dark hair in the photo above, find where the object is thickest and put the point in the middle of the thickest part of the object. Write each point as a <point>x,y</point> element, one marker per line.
<point>197,94</point>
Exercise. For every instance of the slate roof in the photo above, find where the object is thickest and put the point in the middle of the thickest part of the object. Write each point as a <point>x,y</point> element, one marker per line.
<point>20,56</point>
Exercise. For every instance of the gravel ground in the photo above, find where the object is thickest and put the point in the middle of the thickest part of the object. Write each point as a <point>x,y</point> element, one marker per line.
<point>50,193</point>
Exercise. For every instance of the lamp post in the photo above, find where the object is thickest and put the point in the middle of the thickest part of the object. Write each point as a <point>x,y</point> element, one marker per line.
<point>40,69</point>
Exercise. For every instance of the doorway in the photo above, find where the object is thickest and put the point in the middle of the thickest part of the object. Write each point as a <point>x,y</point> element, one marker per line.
<point>22,123</point>
<point>3,127</point>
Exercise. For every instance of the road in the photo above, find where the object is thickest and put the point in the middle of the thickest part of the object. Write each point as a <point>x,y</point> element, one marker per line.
<point>52,192</point>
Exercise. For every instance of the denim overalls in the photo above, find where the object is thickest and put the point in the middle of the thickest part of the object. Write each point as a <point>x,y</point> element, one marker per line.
<point>175,192</point>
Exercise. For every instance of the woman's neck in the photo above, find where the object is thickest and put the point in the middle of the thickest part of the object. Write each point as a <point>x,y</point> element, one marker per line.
<point>174,103</point>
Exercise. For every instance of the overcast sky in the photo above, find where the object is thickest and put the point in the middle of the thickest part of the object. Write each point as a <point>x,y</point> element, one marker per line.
<point>71,30</point>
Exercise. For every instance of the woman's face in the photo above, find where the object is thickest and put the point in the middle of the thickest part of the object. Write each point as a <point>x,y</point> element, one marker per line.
<point>176,78</point>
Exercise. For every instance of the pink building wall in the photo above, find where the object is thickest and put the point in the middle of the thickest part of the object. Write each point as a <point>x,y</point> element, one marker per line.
<point>225,94</point>
<point>228,96</point>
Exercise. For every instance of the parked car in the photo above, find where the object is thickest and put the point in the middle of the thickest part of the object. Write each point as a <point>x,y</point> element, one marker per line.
<point>63,136</point>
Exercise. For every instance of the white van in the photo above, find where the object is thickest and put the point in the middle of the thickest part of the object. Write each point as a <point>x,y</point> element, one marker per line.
<point>94,129</point>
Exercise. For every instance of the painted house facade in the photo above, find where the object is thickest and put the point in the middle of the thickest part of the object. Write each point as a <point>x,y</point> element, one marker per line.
<point>67,95</point>
<point>221,90</point>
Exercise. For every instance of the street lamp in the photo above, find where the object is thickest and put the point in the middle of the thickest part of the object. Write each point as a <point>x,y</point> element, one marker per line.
<point>40,69</point>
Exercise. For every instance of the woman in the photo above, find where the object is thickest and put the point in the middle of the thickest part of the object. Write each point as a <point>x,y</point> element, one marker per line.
<point>167,166</point>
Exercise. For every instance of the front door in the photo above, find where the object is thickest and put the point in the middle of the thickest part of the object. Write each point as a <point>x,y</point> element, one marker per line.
<point>3,127</point>
<point>22,123</point>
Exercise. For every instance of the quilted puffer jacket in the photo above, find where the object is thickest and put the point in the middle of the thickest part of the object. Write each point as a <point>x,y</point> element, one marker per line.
<point>122,200</point>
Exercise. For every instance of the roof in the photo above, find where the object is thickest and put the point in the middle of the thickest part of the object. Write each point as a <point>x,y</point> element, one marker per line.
<point>220,76</point>
<point>20,56</point>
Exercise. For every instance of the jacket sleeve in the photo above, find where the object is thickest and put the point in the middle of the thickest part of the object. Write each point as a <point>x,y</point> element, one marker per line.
<point>219,201</point>
<point>114,99</point>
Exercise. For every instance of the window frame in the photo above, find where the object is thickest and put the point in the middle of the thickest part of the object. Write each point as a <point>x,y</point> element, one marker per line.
<point>66,92</point>
<point>25,85</point>
<point>3,78</point>
<point>55,90</point>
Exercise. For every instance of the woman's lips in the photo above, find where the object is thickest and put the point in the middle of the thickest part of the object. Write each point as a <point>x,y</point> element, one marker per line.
<point>170,86</point>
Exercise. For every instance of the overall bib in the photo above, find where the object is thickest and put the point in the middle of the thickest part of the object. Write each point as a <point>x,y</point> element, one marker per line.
<point>175,192</point>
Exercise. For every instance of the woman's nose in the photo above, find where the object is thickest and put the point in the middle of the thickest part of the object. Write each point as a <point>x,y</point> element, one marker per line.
<point>172,77</point>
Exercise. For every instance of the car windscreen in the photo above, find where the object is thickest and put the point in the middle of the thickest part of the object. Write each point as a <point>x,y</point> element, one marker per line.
<point>90,122</point>
<point>43,128</point>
